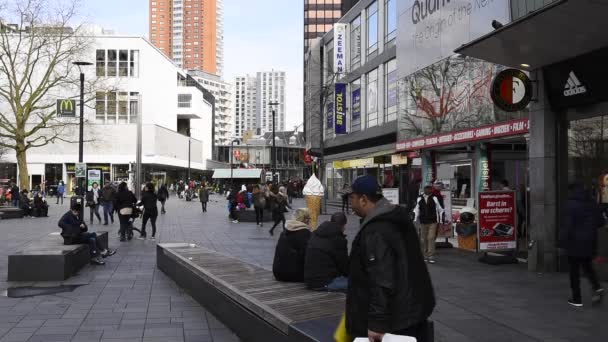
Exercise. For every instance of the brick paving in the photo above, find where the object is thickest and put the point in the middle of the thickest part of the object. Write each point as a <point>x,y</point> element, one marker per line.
<point>130,300</point>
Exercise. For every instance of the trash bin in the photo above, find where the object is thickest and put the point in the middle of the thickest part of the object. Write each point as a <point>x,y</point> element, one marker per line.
<point>76,199</point>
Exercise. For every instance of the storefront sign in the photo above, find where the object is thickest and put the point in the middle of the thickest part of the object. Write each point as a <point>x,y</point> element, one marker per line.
<point>511,90</point>
<point>73,168</point>
<point>497,221</point>
<point>391,194</point>
<point>484,182</point>
<point>398,159</point>
<point>347,164</point>
<point>340,48</point>
<point>66,108</point>
<point>430,30</point>
<point>80,170</point>
<point>579,81</point>
<point>340,99</point>
<point>307,158</point>
<point>504,129</point>
<point>428,169</point>
<point>356,104</point>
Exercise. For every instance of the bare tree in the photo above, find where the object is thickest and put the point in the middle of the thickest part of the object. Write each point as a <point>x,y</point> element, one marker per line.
<point>36,56</point>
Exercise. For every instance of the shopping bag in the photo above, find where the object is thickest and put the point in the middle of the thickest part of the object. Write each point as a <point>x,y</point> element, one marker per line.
<point>341,335</point>
<point>389,338</point>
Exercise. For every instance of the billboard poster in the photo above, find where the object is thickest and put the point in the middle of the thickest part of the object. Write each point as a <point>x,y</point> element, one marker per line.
<point>340,110</point>
<point>497,227</point>
<point>94,176</point>
<point>356,104</point>
<point>80,170</point>
<point>391,98</point>
<point>340,48</point>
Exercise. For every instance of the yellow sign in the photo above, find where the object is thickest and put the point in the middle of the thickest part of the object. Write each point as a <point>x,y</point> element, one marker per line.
<point>397,159</point>
<point>348,164</point>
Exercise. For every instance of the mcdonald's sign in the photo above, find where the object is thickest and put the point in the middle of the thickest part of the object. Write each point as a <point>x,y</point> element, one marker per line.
<point>66,108</point>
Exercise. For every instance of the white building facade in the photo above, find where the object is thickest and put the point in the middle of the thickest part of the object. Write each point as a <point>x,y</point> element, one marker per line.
<point>245,105</point>
<point>222,91</point>
<point>270,88</point>
<point>145,85</point>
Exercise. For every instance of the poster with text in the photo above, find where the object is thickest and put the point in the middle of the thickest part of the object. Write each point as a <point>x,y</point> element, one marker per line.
<point>497,227</point>
<point>391,194</point>
<point>94,177</point>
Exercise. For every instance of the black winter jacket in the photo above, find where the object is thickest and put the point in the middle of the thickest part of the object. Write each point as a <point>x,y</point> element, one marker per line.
<point>582,220</point>
<point>70,228</point>
<point>288,263</point>
<point>326,256</point>
<point>149,201</point>
<point>124,199</point>
<point>389,285</point>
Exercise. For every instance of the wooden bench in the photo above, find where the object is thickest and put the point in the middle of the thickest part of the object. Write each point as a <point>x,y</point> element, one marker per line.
<point>249,215</point>
<point>248,300</point>
<point>10,213</point>
<point>48,259</point>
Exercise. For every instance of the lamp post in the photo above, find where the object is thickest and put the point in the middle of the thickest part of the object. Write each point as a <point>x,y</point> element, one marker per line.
<point>81,64</point>
<point>274,147</point>
<point>230,160</point>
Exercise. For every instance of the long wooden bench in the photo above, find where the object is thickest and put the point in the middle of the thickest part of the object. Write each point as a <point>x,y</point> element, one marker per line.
<point>10,213</point>
<point>247,299</point>
<point>48,259</point>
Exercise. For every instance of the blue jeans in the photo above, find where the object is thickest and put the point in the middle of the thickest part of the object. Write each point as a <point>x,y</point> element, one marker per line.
<point>91,240</point>
<point>108,210</point>
<point>339,284</point>
<point>16,203</point>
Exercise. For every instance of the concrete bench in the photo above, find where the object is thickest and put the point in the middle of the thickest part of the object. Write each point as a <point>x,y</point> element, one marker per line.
<point>248,300</point>
<point>10,213</point>
<point>249,215</point>
<point>48,259</point>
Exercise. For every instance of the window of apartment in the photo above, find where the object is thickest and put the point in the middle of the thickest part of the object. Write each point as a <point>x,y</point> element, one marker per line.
<point>112,64</point>
<point>184,100</point>
<point>111,107</point>
<point>372,98</point>
<point>390,86</point>
<point>100,107</point>
<point>123,63</point>
<point>123,107</point>
<point>355,105</point>
<point>100,65</point>
<point>372,28</point>
<point>390,20</point>
<point>133,106</point>
<point>355,43</point>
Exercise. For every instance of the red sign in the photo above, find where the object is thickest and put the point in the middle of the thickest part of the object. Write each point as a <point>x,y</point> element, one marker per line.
<point>237,154</point>
<point>504,129</point>
<point>307,158</point>
<point>497,227</point>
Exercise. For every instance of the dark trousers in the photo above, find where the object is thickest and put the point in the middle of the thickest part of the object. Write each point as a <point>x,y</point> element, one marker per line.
<point>149,215</point>
<point>259,215</point>
<point>422,332</point>
<point>204,204</point>
<point>124,224</point>
<point>60,198</point>
<point>344,202</point>
<point>108,210</point>
<point>576,263</point>
<point>91,240</point>
<point>162,207</point>
<point>16,203</point>
<point>278,219</point>
<point>95,211</point>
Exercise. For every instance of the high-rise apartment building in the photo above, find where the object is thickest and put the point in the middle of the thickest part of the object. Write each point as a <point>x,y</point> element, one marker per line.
<point>190,32</point>
<point>245,99</point>
<point>320,15</point>
<point>252,98</point>
<point>270,88</point>
<point>223,120</point>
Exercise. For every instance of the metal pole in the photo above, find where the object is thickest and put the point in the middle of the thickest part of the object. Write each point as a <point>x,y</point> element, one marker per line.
<point>230,161</point>
<point>81,134</point>
<point>274,148</point>
<point>189,149</point>
<point>138,166</point>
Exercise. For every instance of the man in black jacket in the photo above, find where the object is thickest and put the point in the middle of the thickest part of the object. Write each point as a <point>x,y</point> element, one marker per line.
<point>326,262</point>
<point>389,288</point>
<point>74,231</point>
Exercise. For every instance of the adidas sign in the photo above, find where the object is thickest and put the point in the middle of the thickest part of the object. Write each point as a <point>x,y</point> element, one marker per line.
<point>573,86</point>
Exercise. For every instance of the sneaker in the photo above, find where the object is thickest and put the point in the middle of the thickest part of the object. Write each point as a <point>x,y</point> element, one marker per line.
<point>431,261</point>
<point>597,296</point>
<point>235,221</point>
<point>108,253</point>
<point>575,303</point>
<point>97,261</point>
<point>152,238</point>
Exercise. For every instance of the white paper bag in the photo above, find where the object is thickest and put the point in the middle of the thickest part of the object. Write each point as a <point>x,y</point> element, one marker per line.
<point>389,338</point>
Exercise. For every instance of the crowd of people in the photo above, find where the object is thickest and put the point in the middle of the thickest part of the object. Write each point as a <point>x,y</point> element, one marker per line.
<point>33,204</point>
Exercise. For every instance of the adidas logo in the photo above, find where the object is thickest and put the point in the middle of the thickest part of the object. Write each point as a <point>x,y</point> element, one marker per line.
<point>574,86</point>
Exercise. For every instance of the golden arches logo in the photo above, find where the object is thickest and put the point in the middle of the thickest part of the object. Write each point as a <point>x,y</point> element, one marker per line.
<point>67,106</point>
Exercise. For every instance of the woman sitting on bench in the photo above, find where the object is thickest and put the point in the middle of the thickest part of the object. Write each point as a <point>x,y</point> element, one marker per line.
<point>26,203</point>
<point>41,209</point>
<point>74,231</point>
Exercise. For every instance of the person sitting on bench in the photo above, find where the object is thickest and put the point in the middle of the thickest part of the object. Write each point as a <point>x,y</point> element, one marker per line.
<point>74,231</point>
<point>26,203</point>
<point>288,263</point>
<point>41,208</point>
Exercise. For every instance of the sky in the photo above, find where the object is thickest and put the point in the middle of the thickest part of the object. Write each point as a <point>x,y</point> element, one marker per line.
<point>258,35</point>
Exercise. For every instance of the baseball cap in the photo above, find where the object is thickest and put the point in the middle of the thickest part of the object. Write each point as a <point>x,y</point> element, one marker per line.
<point>366,185</point>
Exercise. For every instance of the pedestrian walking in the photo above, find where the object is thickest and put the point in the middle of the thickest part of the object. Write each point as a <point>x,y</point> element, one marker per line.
<point>150,202</point>
<point>163,196</point>
<point>60,191</point>
<point>429,213</point>
<point>203,195</point>
<point>15,195</point>
<point>279,208</point>
<point>107,203</point>
<point>123,203</point>
<point>390,289</point>
<point>92,198</point>
<point>259,204</point>
<point>344,193</point>
<point>578,237</point>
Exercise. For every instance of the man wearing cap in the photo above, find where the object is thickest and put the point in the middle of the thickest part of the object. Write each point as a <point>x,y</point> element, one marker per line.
<point>389,288</point>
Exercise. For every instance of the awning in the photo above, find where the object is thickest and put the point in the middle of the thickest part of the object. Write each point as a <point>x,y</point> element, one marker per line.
<point>557,32</point>
<point>237,173</point>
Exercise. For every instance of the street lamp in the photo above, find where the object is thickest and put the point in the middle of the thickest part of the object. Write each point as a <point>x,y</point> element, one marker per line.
<point>81,64</point>
<point>230,159</point>
<point>274,148</point>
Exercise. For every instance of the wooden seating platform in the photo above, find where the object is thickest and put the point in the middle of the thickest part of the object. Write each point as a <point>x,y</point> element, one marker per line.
<point>249,215</point>
<point>247,299</point>
<point>48,259</point>
<point>10,213</point>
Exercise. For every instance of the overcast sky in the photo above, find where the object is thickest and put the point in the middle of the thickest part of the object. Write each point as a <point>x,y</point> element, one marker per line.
<point>258,35</point>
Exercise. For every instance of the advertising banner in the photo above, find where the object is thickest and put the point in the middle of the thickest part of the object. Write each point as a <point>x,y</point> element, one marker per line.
<point>484,181</point>
<point>497,227</point>
<point>66,108</point>
<point>340,48</point>
<point>94,176</point>
<point>391,98</point>
<point>445,230</point>
<point>80,170</point>
<point>356,104</point>
<point>340,99</point>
